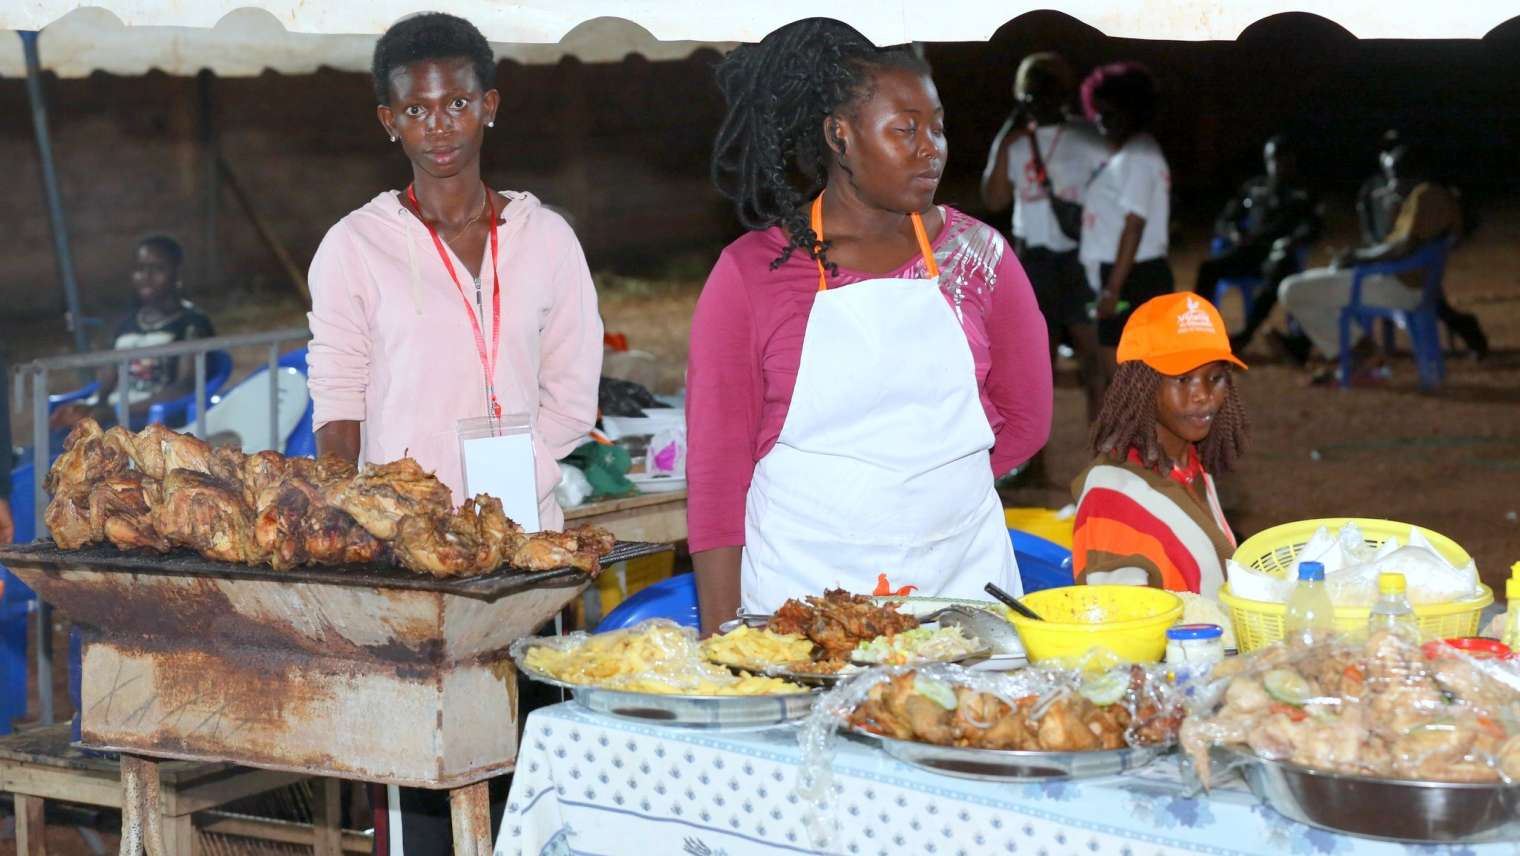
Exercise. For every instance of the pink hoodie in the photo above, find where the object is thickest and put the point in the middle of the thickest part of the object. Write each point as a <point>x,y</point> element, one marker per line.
<point>393,348</point>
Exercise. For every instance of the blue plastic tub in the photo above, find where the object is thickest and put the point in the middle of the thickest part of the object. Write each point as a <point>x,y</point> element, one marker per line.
<point>1042,564</point>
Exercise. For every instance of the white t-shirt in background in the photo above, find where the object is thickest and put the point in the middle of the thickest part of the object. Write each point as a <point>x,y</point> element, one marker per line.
<point>1136,180</point>
<point>1072,152</point>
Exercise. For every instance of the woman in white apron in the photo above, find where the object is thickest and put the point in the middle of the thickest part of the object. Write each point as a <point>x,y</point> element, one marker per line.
<point>863,362</point>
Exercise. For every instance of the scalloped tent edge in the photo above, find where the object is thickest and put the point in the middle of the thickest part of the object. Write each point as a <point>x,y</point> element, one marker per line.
<point>245,37</point>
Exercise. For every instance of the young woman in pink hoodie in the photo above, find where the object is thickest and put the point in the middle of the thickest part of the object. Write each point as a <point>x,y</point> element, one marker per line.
<point>447,300</point>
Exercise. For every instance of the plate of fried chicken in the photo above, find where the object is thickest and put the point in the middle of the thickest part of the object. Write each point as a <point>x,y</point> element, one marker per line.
<point>158,491</point>
<point>1000,728</point>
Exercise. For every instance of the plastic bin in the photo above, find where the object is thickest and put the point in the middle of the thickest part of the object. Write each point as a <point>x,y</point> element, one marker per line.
<point>674,598</point>
<point>1042,564</point>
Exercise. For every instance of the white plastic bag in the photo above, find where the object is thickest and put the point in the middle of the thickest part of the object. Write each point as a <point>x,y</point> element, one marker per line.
<point>573,488</point>
<point>666,454</point>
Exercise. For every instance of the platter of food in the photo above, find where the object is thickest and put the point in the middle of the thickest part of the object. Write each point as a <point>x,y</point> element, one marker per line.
<point>1378,737</point>
<point>655,672</point>
<point>819,641</point>
<point>1029,727</point>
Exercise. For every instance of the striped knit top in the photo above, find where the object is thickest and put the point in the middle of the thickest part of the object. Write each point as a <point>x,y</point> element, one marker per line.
<point>1139,526</point>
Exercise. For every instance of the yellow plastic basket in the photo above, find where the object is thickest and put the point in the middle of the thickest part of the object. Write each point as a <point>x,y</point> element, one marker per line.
<point>1259,623</point>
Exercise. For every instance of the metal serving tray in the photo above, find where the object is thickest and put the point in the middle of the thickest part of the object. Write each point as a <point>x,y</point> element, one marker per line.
<point>1006,765</point>
<point>1386,809</point>
<point>686,711</point>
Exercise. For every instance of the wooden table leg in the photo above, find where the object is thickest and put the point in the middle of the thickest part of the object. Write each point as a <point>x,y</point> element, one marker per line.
<point>470,810</point>
<point>179,836</point>
<point>327,818</point>
<point>142,827</point>
<point>31,829</point>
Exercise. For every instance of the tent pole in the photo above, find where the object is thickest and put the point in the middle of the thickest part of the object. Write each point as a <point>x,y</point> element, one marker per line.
<point>211,272</point>
<point>50,188</point>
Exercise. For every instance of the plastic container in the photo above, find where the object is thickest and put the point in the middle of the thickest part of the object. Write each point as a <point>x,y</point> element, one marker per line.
<point>1310,614</point>
<point>1043,564</point>
<point>1194,644</point>
<point>1392,612</point>
<point>1260,623</point>
<point>1129,621</point>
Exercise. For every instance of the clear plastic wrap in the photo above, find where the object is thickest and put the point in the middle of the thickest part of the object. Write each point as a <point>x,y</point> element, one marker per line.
<point>1377,707</point>
<point>653,656</point>
<point>981,702</point>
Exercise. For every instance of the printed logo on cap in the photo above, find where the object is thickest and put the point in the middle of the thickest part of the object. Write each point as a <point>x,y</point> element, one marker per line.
<point>1195,319</point>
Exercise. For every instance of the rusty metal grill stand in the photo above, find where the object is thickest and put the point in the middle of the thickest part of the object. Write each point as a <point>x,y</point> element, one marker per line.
<point>376,677</point>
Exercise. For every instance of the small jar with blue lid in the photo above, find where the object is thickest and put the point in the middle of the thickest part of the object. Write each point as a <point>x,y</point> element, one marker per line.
<point>1196,644</point>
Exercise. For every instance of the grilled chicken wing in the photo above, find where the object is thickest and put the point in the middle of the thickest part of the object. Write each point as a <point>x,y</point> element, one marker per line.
<point>278,528</point>
<point>332,537</point>
<point>380,496</point>
<point>208,515</point>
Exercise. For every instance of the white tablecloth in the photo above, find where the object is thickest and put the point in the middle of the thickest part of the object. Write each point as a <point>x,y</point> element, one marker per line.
<point>593,785</point>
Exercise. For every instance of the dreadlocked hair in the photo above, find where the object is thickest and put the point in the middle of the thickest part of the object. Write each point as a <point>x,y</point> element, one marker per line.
<point>1128,421</point>
<point>770,157</point>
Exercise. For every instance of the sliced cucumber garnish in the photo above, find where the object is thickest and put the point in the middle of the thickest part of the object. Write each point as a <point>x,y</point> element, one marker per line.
<point>1105,689</point>
<point>938,692</point>
<point>1287,686</point>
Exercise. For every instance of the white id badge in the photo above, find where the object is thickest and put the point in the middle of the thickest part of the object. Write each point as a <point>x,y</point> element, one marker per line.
<point>496,456</point>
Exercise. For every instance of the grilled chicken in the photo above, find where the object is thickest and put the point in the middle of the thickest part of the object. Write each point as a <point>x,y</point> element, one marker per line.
<point>208,515</point>
<point>471,540</point>
<point>86,457</point>
<point>68,518</point>
<point>380,496</point>
<point>121,511</point>
<point>283,510</point>
<point>331,537</point>
<point>548,551</point>
<point>289,512</point>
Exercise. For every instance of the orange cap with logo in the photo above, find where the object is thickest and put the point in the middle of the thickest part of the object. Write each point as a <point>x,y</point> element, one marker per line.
<point>1174,334</point>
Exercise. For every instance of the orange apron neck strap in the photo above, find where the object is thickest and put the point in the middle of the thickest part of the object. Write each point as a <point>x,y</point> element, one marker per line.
<point>924,247</point>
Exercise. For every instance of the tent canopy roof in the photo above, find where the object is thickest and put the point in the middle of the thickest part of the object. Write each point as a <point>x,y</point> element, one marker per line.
<point>244,37</point>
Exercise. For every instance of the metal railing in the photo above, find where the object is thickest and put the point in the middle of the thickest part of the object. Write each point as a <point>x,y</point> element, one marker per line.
<point>40,370</point>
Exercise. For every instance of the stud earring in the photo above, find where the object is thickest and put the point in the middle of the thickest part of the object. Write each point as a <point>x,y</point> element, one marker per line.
<point>491,124</point>
<point>393,138</point>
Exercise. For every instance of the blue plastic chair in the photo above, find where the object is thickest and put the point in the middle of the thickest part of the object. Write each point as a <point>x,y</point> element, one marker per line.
<point>1422,322</point>
<point>1246,285</point>
<point>302,442</point>
<point>181,411</point>
<point>674,598</point>
<point>1043,564</point>
<point>16,602</point>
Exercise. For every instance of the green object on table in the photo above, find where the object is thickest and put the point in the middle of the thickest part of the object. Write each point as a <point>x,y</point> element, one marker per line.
<point>606,467</point>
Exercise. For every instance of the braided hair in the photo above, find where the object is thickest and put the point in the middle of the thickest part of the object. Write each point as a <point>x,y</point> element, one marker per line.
<point>1128,421</point>
<point>770,157</point>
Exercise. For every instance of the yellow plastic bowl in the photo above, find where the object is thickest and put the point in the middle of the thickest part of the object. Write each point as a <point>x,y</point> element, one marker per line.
<point>1129,621</point>
<point>1273,551</point>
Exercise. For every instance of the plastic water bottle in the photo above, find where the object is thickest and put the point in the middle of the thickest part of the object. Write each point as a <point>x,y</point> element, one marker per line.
<point>1511,636</point>
<point>1311,616</point>
<point>1392,612</point>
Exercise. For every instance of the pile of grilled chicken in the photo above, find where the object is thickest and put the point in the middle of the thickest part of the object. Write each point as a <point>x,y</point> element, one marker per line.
<point>160,490</point>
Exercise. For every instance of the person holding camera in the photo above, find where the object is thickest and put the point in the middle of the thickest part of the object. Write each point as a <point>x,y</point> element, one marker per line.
<point>1041,162</point>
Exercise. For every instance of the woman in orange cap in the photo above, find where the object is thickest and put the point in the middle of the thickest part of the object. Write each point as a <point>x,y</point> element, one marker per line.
<point>1147,513</point>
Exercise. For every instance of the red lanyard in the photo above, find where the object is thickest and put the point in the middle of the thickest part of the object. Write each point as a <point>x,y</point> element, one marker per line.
<point>487,359</point>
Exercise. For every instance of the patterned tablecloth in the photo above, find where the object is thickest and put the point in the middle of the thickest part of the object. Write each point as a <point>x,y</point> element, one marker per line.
<point>589,784</point>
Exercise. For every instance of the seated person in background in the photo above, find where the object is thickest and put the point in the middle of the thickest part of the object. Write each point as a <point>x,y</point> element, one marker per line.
<point>1147,512</point>
<point>1315,297</point>
<point>159,316</point>
<point>1264,225</point>
<point>1377,210</point>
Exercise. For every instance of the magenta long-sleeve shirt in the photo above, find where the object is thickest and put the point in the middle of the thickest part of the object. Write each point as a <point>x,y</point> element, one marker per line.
<point>392,346</point>
<point>746,345</point>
